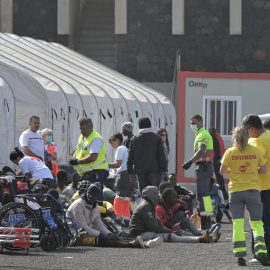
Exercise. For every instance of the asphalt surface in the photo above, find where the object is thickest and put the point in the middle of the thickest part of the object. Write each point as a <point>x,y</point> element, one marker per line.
<point>166,257</point>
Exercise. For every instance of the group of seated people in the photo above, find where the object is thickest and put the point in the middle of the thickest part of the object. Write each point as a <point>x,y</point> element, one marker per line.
<point>162,216</point>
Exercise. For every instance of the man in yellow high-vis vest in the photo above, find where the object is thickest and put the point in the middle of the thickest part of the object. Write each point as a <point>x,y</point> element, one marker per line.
<point>89,158</point>
<point>203,159</point>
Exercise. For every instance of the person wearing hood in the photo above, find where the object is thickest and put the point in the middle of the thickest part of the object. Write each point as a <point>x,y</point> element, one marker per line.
<point>144,223</point>
<point>92,232</point>
<point>146,157</point>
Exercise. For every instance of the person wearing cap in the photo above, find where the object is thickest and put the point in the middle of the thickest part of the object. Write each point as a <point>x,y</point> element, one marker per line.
<point>39,189</point>
<point>103,206</point>
<point>85,213</point>
<point>22,187</point>
<point>146,157</point>
<point>127,130</point>
<point>89,157</point>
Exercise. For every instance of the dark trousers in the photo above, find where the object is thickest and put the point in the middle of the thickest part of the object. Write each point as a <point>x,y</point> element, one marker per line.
<point>102,176</point>
<point>265,197</point>
<point>149,179</point>
<point>220,178</point>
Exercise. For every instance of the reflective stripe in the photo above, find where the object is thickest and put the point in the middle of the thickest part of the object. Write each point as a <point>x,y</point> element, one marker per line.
<point>123,198</point>
<point>260,248</point>
<point>207,204</point>
<point>240,254</point>
<point>259,239</point>
<point>90,168</point>
<point>239,244</point>
<point>202,159</point>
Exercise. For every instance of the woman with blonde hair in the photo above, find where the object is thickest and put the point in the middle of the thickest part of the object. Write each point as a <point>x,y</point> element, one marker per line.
<point>50,150</point>
<point>243,162</point>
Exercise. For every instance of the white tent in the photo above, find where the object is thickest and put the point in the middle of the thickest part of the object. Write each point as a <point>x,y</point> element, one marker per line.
<point>7,122</point>
<point>90,90</point>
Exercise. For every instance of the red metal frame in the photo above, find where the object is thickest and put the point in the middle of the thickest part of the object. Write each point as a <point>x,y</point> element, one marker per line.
<point>181,108</point>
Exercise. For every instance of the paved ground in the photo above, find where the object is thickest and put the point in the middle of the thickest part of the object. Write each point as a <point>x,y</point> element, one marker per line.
<point>166,257</point>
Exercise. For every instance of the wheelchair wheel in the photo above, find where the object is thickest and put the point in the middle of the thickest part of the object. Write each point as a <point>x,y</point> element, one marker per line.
<point>19,216</point>
<point>63,236</point>
<point>49,242</point>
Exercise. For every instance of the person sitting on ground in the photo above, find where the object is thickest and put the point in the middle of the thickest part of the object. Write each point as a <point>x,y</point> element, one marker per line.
<point>172,214</point>
<point>144,223</point>
<point>163,186</point>
<point>108,192</point>
<point>105,207</point>
<point>39,189</point>
<point>70,190</point>
<point>82,188</point>
<point>64,200</point>
<point>218,203</point>
<point>183,193</point>
<point>61,180</point>
<point>32,167</point>
<point>85,213</point>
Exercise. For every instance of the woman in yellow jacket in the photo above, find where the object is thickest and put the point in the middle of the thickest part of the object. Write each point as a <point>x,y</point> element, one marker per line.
<point>243,162</point>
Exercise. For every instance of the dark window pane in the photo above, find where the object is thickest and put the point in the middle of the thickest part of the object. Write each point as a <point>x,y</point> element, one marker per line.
<point>218,116</point>
<point>225,118</point>
<point>212,113</point>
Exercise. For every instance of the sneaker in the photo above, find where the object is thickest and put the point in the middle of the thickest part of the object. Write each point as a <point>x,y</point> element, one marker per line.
<point>215,235</point>
<point>262,258</point>
<point>241,262</point>
<point>214,227</point>
<point>154,243</point>
<point>254,261</point>
<point>138,242</point>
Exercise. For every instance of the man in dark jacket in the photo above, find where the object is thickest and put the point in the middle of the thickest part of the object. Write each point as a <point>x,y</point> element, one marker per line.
<point>147,155</point>
<point>144,223</point>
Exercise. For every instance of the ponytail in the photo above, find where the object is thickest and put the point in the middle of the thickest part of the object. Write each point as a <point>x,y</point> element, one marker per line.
<point>17,153</point>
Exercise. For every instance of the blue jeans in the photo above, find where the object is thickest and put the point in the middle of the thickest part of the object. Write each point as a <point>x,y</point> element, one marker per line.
<point>191,227</point>
<point>265,197</point>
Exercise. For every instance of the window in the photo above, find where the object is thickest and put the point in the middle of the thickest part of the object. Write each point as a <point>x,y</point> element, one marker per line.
<point>222,113</point>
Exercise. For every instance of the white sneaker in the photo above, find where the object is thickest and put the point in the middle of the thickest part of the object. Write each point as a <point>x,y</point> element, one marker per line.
<point>138,242</point>
<point>154,243</point>
<point>254,261</point>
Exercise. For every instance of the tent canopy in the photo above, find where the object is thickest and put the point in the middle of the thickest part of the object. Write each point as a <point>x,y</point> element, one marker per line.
<point>61,86</point>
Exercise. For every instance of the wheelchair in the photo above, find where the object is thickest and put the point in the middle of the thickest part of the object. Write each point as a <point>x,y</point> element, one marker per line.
<point>32,211</point>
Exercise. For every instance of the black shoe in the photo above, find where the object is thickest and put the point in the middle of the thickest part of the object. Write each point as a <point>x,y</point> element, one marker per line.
<point>126,223</point>
<point>241,262</point>
<point>262,258</point>
<point>119,222</point>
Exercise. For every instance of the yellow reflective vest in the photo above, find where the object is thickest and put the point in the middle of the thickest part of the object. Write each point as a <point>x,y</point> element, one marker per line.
<point>83,150</point>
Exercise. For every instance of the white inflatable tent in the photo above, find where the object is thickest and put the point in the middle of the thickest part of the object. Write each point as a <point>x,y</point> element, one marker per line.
<point>35,95</point>
<point>116,97</point>
<point>7,122</point>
